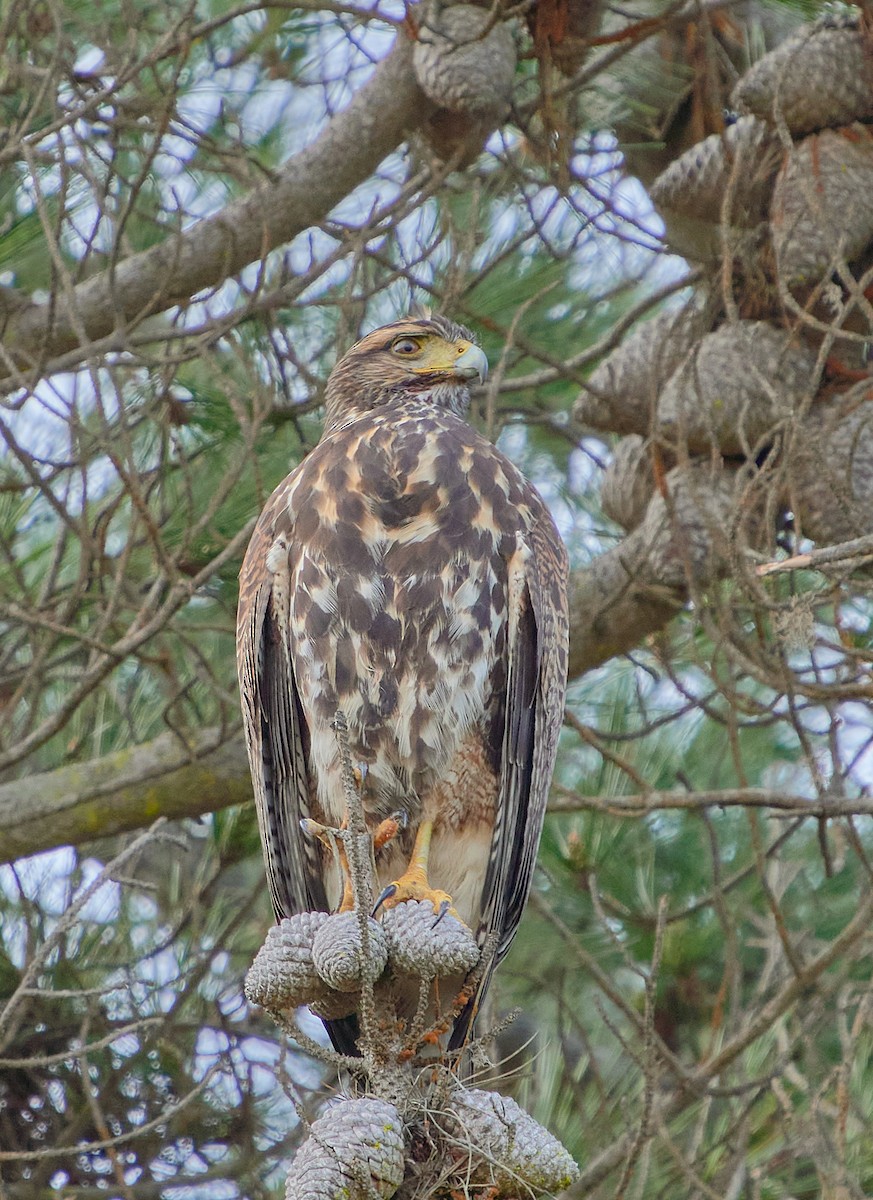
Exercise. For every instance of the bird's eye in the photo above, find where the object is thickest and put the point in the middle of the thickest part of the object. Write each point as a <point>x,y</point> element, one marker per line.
<point>406,346</point>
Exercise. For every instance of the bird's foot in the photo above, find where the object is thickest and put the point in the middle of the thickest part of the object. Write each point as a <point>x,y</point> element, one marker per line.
<point>414,885</point>
<point>334,840</point>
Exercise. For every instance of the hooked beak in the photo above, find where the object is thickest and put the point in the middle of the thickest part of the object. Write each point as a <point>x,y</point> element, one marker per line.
<point>471,364</point>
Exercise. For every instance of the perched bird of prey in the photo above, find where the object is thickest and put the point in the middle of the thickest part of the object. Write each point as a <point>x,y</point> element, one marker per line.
<point>407,574</point>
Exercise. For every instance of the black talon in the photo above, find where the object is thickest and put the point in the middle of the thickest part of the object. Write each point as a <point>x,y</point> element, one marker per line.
<point>444,908</point>
<point>385,894</point>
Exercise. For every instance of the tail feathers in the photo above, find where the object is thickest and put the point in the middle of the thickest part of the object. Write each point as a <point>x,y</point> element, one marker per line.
<point>344,1034</point>
<point>463,1025</point>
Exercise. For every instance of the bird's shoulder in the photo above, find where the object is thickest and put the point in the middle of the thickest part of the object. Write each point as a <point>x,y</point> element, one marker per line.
<point>405,446</point>
<point>406,463</point>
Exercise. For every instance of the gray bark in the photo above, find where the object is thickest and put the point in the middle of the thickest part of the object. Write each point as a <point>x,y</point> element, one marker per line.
<point>126,790</point>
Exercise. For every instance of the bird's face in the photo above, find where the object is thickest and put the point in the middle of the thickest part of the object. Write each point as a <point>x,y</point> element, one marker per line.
<point>433,359</point>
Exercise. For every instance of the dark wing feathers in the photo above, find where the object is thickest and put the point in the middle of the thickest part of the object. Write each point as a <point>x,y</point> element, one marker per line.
<point>295,880</point>
<point>278,742</point>
<point>506,885</point>
<point>275,726</point>
<point>536,685</point>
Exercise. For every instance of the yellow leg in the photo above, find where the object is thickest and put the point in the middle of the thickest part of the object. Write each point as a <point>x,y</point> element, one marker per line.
<point>328,838</point>
<point>413,883</point>
<point>385,831</point>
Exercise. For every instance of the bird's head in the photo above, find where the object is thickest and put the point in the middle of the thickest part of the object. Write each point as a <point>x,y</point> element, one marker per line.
<point>429,357</point>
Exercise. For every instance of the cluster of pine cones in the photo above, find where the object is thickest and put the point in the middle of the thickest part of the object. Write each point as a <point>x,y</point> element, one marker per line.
<point>475,1139</point>
<point>767,360</point>
<point>421,1127</point>
<point>319,959</point>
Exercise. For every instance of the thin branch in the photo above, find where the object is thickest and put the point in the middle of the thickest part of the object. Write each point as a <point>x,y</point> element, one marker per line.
<point>825,805</point>
<point>300,195</point>
<point>855,553</point>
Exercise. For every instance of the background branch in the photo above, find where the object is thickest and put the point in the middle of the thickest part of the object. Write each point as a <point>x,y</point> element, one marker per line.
<point>123,791</point>
<point>301,194</point>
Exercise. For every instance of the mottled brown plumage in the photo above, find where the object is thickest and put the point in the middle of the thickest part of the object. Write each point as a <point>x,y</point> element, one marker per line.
<point>409,575</point>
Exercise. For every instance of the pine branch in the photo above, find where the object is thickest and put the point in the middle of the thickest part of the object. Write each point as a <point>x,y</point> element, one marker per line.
<point>300,195</point>
<point>123,791</point>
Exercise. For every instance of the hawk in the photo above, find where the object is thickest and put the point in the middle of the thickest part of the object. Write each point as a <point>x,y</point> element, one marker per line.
<point>407,574</point>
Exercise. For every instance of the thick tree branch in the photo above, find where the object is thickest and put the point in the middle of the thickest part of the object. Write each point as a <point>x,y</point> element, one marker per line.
<point>122,791</point>
<point>302,193</point>
<point>613,607</point>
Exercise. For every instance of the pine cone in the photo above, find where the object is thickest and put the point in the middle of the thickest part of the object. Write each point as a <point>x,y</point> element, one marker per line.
<point>822,211</point>
<point>462,68</point>
<point>355,1148</point>
<point>625,387</point>
<point>822,76</point>
<point>746,157</point>
<point>687,530</point>
<point>468,73</point>
<point>830,481</point>
<point>421,946</point>
<point>628,482</point>
<point>737,384</point>
<point>337,952</point>
<point>504,1146</point>
<point>283,975</point>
